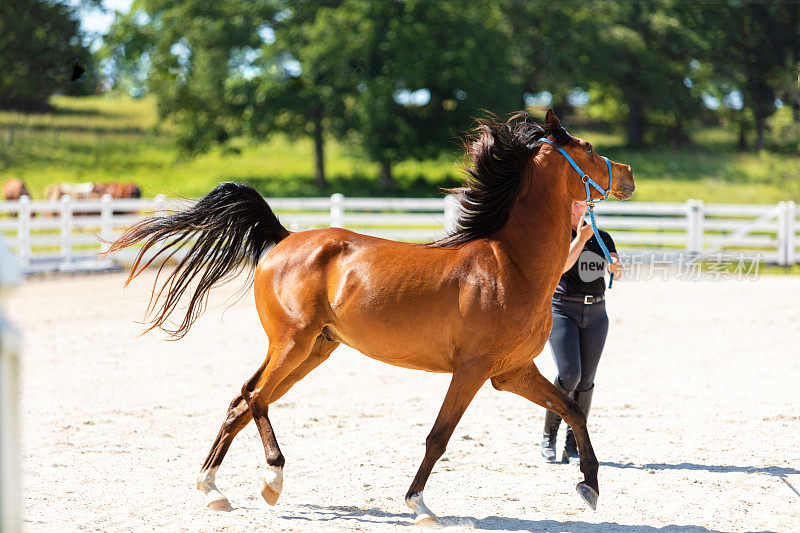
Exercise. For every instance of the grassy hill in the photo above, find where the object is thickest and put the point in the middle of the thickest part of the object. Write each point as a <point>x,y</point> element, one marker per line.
<point>115,138</point>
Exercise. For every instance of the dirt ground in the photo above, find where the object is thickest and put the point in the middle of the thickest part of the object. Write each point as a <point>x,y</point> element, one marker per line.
<point>695,421</point>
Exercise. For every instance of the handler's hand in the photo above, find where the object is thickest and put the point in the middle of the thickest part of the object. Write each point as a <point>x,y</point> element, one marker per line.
<point>615,268</point>
<point>584,230</point>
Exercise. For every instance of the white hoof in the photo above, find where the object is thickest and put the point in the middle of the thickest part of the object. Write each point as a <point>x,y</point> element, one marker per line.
<point>422,515</point>
<point>215,500</point>
<point>273,485</point>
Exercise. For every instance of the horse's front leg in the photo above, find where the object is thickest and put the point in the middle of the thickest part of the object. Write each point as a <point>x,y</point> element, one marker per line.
<point>529,383</point>
<point>465,384</point>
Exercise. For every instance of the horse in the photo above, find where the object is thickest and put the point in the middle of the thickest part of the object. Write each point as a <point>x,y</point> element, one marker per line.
<point>14,189</point>
<point>118,190</point>
<point>475,304</point>
<point>91,191</point>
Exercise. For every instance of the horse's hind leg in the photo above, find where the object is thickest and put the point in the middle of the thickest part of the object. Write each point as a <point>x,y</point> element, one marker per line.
<point>319,352</point>
<point>239,416</point>
<point>529,383</point>
<point>284,357</point>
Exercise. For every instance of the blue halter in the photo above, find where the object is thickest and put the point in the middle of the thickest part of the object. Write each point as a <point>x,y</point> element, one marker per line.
<point>589,201</point>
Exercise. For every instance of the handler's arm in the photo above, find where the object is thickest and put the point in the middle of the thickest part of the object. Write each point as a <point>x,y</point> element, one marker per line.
<point>583,234</point>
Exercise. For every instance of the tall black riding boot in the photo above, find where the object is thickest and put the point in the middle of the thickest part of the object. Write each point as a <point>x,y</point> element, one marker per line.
<point>551,423</point>
<point>584,400</point>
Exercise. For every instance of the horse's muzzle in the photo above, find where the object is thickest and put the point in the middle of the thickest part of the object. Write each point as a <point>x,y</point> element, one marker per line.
<point>624,192</point>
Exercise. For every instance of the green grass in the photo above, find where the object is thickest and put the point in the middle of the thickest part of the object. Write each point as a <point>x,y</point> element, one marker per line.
<point>108,138</point>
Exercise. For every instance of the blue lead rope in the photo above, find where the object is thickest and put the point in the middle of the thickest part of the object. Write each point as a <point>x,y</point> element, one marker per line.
<point>589,202</point>
<point>601,243</point>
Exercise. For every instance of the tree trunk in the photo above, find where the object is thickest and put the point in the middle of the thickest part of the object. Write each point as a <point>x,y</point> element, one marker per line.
<point>742,144</point>
<point>385,180</point>
<point>319,153</point>
<point>761,121</point>
<point>676,135</point>
<point>635,125</point>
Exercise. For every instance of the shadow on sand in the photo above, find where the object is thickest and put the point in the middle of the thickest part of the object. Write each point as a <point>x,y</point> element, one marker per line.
<point>778,471</point>
<point>319,513</point>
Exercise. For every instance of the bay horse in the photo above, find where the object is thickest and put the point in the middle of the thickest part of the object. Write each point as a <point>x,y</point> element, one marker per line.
<point>14,189</point>
<point>475,304</point>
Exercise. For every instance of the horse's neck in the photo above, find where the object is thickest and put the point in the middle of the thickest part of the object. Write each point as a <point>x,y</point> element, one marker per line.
<point>537,233</point>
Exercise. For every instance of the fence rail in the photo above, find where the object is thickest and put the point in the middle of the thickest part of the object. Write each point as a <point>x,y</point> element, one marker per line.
<point>69,235</point>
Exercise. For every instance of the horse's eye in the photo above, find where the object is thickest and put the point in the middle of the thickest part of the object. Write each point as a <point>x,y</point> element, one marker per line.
<point>589,150</point>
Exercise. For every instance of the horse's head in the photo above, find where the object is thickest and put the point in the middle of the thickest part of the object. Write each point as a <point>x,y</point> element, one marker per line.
<point>502,165</point>
<point>584,156</point>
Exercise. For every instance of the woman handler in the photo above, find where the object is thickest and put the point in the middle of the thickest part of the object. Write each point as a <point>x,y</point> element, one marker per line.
<point>580,325</point>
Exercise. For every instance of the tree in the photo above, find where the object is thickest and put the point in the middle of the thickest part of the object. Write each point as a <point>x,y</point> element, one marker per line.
<point>641,58</point>
<point>41,51</point>
<point>550,41</point>
<point>227,68</point>
<point>299,97</point>
<point>633,57</point>
<point>411,74</point>
<point>753,48</point>
<point>198,57</point>
<point>355,68</point>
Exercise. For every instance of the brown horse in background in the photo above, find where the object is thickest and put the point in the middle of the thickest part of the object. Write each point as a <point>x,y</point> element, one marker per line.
<point>476,304</point>
<point>14,189</point>
<point>90,190</point>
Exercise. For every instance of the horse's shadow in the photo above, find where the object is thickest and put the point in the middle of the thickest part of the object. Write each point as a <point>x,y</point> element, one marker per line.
<point>778,471</point>
<point>320,513</point>
<point>717,469</point>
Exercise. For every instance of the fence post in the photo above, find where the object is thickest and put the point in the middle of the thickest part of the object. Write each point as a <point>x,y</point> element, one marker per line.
<point>781,233</point>
<point>106,225</point>
<point>694,221</point>
<point>337,210</point>
<point>791,232</point>
<point>161,202</point>
<point>10,349</point>
<point>451,208</point>
<point>66,230</point>
<point>24,232</point>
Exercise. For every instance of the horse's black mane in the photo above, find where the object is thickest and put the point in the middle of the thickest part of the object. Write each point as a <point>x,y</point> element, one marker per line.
<point>498,155</point>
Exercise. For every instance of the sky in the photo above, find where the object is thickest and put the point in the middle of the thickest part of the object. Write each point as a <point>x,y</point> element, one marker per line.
<point>96,22</point>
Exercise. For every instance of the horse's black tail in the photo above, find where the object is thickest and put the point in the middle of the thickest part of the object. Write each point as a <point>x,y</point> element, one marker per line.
<point>220,235</point>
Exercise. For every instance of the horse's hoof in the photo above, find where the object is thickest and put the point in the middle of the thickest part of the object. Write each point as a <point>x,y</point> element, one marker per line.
<point>215,500</point>
<point>422,515</point>
<point>220,505</point>
<point>270,495</point>
<point>273,485</point>
<point>588,494</point>
<point>426,520</point>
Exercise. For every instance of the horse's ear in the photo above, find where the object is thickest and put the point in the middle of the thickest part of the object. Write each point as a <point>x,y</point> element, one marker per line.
<point>560,135</point>
<point>552,120</point>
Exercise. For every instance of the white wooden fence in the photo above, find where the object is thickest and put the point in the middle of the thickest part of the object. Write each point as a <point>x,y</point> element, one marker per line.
<point>10,345</point>
<point>66,235</point>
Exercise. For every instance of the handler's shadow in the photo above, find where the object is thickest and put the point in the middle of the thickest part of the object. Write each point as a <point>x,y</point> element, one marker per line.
<point>320,513</point>
<point>778,471</point>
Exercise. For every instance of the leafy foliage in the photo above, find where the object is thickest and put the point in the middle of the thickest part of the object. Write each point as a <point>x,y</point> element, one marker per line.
<point>41,51</point>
